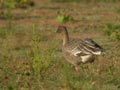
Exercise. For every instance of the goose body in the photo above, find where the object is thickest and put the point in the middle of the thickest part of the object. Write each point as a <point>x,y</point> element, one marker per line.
<point>78,51</point>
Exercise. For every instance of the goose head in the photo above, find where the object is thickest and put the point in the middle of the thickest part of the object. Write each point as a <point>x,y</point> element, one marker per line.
<point>63,31</point>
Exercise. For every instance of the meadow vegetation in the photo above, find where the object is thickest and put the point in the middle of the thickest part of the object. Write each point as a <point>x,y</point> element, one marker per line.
<point>85,1</point>
<point>30,50</point>
<point>16,3</point>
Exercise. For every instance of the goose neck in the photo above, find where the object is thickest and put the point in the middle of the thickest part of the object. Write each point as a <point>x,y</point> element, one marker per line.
<point>65,38</point>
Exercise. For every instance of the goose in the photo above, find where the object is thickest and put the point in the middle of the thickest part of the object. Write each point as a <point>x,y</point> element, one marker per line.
<point>77,51</point>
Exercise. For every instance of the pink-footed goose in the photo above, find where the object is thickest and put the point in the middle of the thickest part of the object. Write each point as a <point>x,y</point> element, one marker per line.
<point>78,51</point>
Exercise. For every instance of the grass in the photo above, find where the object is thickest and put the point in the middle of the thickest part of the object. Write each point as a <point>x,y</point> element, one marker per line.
<point>85,0</point>
<point>30,54</point>
<point>16,4</point>
<point>62,17</point>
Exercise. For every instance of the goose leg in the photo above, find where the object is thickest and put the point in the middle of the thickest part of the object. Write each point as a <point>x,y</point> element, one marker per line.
<point>76,68</point>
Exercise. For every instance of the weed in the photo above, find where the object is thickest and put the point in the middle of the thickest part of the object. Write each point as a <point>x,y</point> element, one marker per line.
<point>16,3</point>
<point>62,17</point>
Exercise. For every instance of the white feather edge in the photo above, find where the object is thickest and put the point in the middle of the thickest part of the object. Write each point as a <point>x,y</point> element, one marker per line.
<point>76,51</point>
<point>97,53</point>
<point>86,58</point>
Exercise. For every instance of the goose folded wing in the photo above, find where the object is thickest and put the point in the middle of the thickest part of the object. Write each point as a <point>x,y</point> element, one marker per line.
<point>92,43</point>
<point>77,51</point>
<point>92,46</point>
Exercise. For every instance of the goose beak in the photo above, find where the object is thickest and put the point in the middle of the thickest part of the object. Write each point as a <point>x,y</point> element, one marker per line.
<point>58,30</point>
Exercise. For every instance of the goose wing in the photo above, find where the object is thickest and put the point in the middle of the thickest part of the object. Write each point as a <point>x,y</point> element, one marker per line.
<point>83,47</point>
<point>92,46</point>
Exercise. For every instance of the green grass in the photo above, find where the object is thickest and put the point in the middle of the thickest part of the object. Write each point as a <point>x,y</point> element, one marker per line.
<point>85,0</point>
<point>30,53</point>
<point>16,3</point>
<point>34,61</point>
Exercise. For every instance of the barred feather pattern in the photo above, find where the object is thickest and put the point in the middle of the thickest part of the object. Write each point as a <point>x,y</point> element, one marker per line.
<point>83,50</point>
<point>78,51</point>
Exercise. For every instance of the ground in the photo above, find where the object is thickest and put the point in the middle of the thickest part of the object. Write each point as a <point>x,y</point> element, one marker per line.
<point>30,50</point>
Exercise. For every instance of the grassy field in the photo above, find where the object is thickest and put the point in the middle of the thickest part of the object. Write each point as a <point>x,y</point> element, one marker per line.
<point>30,51</point>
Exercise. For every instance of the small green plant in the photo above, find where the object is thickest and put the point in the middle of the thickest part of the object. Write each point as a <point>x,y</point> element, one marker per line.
<point>24,3</point>
<point>62,17</point>
<point>110,69</point>
<point>16,3</point>
<point>115,35</point>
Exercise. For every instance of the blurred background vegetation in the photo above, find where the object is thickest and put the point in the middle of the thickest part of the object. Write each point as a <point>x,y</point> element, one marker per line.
<point>28,3</point>
<point>85,0</point>
<point>30,53</point>
<point>16,3</point>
